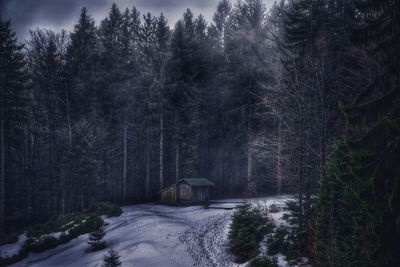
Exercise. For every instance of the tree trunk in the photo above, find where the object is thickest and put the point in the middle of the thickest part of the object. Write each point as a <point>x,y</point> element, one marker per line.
<point>161,151</point>
<point>300,170</point>
<point>147,152</point>
<point>2,163</point>
<point>279,167</point>
<point>69,123</point>
<point>125,161</point>
<point>177,162</point>
<point>250,187</point>
<point>63,182</point>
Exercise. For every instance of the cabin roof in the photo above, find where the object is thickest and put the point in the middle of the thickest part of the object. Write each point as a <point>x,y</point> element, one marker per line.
<point>197,181</point>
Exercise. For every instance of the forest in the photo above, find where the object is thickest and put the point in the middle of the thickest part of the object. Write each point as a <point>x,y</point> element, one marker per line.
<point>301,99</point>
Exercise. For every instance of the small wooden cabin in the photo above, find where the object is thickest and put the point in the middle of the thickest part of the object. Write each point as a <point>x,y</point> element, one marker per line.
<point>187,191</point>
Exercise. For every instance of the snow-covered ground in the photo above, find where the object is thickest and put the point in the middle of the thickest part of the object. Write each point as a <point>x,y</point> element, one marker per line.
<point>155,235</point>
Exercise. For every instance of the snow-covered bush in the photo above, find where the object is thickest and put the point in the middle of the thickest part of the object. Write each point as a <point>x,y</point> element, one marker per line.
<point>41,243</point>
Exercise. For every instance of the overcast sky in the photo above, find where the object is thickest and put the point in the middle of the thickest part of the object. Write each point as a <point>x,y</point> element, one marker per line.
<point>63,14</point>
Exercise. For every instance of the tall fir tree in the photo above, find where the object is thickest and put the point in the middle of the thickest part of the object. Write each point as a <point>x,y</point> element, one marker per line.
<point>13,114</point>
<point>373,134</point>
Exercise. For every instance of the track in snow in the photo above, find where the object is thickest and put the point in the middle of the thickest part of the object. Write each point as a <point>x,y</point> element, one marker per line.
<point>207,243</point>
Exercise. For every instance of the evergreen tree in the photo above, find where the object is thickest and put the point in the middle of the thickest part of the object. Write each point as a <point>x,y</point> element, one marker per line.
<point>96,241</point>
<point>337,209</point>
<point>111,259</point>
<point>111,84</point>
<point>218,29</point>
<point>46,68</point>
<point>184,76</point>
<point>82,60</point>
<point>13,115</point>
<point>246,44</point>
<point>372,139</point>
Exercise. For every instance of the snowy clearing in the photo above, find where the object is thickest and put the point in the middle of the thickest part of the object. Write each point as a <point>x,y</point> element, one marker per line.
<point>156,235</point>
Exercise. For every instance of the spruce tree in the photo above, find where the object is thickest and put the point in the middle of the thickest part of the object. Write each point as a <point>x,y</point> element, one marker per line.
<point>246,44</point>
<point>111,259</point>
<point>337,241</point>
<point>13,102</point>
<point>46,68</point>
<point>96,241</point>
<point>82,62</point>
<point>373,134</point>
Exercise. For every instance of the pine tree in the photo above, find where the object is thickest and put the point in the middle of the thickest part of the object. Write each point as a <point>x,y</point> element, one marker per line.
<point>46,68</point>
<point>338,243</point>
<point>82,60</point>
<point>246,44</point>
<point>96,241</point>
<point>111,259</point>
<point>13,101</point>
<point>218,29</point>
<point>373,134</point>
<point>112,84</point>
<point>184,77</point>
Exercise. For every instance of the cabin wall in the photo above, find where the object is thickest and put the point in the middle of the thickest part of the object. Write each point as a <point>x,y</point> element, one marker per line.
<point>200,194</point>
<point>169,195</point>
<point>184,192</point>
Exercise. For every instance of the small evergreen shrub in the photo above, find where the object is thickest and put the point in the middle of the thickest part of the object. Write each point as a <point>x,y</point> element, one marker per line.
<point>41,243</point>
<point>264,262</point>
<point>246,232</point>
<point>277,243</point>
<point>110,210</point>
<point>96,241</point>
<point>111,259</point>
<point>88,225</point>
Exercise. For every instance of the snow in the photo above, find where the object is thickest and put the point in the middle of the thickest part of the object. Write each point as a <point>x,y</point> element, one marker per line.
<point>57,235</point>
<point>156,235</point>
<point>10,250</point>
<point>281,260</point>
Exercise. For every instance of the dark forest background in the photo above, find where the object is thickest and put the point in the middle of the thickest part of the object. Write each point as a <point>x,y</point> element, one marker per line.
<point>301,99</point>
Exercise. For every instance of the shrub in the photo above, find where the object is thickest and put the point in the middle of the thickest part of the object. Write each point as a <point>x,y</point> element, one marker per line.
<point>90,224</point>
<point>274,208</point>
<point>111,259</point>
<point>96,241</point>
<point>264,262</point>
<point>277,243</point>
<point>110,210</point>
<point>42,243</point>
<point>40,238</point>
<point>246,232</point>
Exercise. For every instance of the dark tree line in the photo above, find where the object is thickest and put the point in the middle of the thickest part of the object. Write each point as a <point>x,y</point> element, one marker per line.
<point>337,107</point>
<point>303,98</point>
<point>119,111</point>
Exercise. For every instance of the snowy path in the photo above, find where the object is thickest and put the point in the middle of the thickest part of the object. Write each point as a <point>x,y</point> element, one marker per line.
<point>154,235</point>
